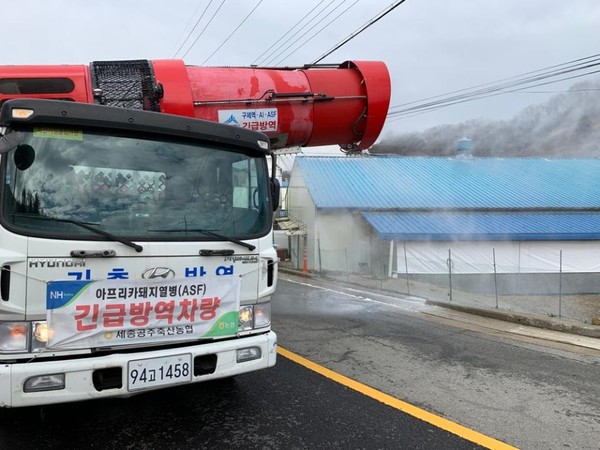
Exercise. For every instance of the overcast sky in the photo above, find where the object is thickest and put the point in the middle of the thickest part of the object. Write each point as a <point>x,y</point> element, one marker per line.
<point>430,46</point>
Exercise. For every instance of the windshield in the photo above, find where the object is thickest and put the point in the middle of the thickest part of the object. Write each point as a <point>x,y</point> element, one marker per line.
<point>138,188</point>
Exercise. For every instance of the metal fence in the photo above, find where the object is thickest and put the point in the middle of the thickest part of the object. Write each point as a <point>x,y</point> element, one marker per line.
<point>547,292</point>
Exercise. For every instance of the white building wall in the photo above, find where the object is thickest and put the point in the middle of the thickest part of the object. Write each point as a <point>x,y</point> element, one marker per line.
<point>301,207</point>
<point>337,240</point>
<point>469,257</point>
<point>345,242</point>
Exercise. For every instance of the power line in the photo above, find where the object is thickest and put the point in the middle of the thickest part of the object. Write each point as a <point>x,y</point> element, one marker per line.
<point>316,34</point>
<point>277,55</point>
<point>405,114</point>
<point>194,28</point>
<point>290,30</point>
<point>518,84</point>
<point>564,91</point>
<point>578,60</point>
<point>185,28</point>
<point>232,33</point>
<point>363,28</point>
<point>204,29</point>
<point>480,95</point>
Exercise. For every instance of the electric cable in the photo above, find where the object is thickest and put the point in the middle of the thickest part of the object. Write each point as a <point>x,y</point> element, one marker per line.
<point>289,31</point>
<point>484,94</point>
<point>185,28</point>
<point>363,28</point>
<point>498,81</point>
<point>316,34</point>
<point>204,29</point>
<point>232,33</point>
<point>414,111</point>
<point>193,29</point>
<point>500,88</point>
<point>517,82</point>
<point>280,51</point>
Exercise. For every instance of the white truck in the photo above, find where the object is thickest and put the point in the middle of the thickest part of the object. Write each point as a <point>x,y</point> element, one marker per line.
<point>136,246</point>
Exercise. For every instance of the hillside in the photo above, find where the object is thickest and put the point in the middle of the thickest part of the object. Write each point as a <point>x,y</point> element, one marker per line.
<point>568,125</point>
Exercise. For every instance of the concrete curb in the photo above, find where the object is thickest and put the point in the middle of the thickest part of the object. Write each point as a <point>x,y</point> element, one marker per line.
<point>530,320</point>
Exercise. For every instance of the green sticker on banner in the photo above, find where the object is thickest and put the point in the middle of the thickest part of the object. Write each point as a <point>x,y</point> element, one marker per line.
<point>226,325</point>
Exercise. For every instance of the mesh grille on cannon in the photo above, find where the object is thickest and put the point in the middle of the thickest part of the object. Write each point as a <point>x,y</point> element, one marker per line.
<point>125,84</point>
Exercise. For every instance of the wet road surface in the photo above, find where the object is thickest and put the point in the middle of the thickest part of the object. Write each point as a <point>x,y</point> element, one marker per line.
<point>286,407</point>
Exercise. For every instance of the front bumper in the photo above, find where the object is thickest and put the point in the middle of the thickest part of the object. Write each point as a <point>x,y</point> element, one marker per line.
<point>79,373</point>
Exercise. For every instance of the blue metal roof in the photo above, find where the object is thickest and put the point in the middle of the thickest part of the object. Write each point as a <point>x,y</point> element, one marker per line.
<point>473,226</point>
<point>413,183</point>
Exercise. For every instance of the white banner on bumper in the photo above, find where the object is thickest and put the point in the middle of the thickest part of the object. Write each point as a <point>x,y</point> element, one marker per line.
<point>85,314</point>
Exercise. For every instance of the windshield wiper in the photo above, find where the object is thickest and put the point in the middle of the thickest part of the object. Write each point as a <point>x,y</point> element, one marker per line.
<point>87,226</point>
<point>209,233</point>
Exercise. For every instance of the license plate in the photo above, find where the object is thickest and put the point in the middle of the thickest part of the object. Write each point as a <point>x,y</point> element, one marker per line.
<point>152,372</point>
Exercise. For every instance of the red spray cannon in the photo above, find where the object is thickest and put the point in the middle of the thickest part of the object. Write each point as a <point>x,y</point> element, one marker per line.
<point>344,104</point>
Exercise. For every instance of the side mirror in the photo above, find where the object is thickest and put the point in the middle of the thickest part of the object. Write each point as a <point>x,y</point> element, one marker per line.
<point>275,193</point>
<point>10,141</point>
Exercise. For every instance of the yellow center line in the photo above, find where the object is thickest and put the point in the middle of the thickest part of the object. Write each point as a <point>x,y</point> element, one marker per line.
<point>440,422</point>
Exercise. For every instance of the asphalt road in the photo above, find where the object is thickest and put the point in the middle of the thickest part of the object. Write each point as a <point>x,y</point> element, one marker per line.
<point>286,407</point>
<point>526,392</point>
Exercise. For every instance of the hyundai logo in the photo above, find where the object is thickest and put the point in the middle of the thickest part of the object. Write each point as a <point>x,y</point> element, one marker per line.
<point>158,272</point>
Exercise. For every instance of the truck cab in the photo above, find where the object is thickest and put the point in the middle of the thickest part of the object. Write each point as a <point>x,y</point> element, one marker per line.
<point>136,251</point>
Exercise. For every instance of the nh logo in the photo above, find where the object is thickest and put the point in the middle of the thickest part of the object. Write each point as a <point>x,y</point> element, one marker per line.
<point>56,295</point>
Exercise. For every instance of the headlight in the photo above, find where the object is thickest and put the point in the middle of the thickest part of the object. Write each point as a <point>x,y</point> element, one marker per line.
<point>254,316</point>
<point>262,315</point>
<point>13,336</point>
<point>40,335</point>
